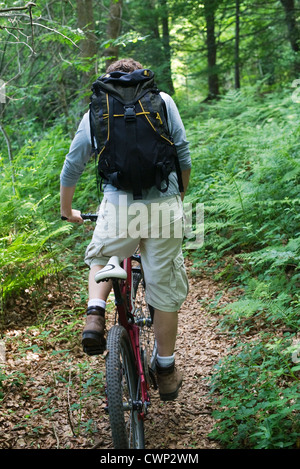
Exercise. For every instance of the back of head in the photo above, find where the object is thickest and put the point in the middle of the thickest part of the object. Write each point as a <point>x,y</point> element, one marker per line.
<point>124,65</point>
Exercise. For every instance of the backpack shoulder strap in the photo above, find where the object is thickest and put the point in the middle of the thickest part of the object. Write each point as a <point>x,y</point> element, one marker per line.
<point>98,113</point>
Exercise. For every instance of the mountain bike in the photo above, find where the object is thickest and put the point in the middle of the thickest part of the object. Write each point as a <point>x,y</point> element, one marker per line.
<point>131,351</point>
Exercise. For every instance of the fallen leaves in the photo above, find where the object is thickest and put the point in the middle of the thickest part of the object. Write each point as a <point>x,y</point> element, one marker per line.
<point>54,396</point>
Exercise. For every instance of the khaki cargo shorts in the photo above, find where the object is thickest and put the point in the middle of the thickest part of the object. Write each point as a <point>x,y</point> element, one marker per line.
<point>157,228</point>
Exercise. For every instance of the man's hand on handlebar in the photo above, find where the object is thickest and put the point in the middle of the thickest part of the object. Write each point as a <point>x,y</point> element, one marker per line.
<point>73,217</point>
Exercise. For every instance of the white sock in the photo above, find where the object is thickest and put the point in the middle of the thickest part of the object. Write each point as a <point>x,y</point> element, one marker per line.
<point>165,361</point>
<point>97,302</point>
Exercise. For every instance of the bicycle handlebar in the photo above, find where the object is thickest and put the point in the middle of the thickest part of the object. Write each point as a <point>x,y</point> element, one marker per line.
<point>86,216</point>
<point>89,216</point>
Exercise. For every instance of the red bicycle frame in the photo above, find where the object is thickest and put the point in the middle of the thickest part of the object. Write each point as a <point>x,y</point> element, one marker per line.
<point>125,307</point>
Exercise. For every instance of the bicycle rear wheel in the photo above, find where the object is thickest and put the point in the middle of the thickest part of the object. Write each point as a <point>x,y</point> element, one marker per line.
<point>121,380</point>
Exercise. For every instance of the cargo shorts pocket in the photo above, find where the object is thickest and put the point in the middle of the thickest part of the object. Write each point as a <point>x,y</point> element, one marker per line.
<point>93,253</point>
<point>179,285</point>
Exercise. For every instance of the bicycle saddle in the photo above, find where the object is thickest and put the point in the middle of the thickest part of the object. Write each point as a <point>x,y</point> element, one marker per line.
<point>111,270</point>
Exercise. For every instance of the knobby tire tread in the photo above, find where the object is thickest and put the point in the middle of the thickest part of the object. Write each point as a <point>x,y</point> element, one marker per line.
<point>118,345</point>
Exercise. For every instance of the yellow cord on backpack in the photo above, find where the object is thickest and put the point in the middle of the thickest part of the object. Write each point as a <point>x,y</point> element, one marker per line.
<point>159,118</point>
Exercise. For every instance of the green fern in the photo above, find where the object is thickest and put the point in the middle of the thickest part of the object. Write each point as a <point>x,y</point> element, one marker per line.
<point>33,237</point>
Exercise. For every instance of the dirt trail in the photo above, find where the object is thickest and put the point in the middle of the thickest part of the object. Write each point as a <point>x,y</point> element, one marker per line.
<point>184,423</point>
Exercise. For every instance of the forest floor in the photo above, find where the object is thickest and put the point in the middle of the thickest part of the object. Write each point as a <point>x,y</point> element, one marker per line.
<point>50,397</point>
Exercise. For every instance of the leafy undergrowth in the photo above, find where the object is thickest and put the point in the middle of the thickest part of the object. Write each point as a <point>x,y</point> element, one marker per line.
<point>246,175</point>
<point>258,386</point>
<point>49,388</point>
<point>53,395</point>
<point>239,391</point>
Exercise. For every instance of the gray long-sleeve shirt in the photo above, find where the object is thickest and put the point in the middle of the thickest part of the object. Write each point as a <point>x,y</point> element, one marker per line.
<point>80,153</point>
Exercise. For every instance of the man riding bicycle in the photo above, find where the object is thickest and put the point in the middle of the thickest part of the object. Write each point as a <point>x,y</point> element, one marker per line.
<point>162,259</point>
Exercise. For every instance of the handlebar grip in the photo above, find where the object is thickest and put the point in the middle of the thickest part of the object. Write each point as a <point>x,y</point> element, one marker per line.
<point>85,216</point>
<point>89,216</point>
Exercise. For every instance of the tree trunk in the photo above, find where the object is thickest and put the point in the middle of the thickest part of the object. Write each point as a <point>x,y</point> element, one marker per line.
<point>166,46</point>
<point>88,45</point>
<point>237,82</point>
<point>290,19</point>
<point>10,156</point>
<point>153,20</point>
<point>210,7</point>
<point>113,30</point>
<point>293,31</point>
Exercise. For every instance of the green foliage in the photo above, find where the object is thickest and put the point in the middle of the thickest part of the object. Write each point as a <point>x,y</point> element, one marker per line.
<point>247,173</point>
<point>258,394</point>
<point>32,236</point>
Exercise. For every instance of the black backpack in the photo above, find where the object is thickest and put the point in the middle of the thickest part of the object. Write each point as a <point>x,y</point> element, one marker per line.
<point>128,122</point>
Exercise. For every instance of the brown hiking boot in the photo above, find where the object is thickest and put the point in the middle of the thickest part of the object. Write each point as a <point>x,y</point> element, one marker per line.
<point>169,380</point>
<point>93,340</point>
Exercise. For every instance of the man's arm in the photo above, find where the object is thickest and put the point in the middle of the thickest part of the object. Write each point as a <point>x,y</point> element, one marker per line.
<point>177,131</point>
<point>66,197</point>
<point>185,180</point>
<point>75,162</point>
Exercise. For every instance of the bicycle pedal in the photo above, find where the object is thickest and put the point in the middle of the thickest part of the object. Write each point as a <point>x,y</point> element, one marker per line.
<point>93,351</point>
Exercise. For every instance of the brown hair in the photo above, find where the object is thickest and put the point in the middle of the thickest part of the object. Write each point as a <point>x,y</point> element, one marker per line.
<point>124,65</point>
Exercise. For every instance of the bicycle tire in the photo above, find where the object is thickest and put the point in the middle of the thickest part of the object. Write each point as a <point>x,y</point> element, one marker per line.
<point>121,380</point>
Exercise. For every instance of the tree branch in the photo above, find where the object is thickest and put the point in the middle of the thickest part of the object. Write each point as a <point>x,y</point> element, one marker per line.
<point>57,32</point>
<point>29,5</point>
